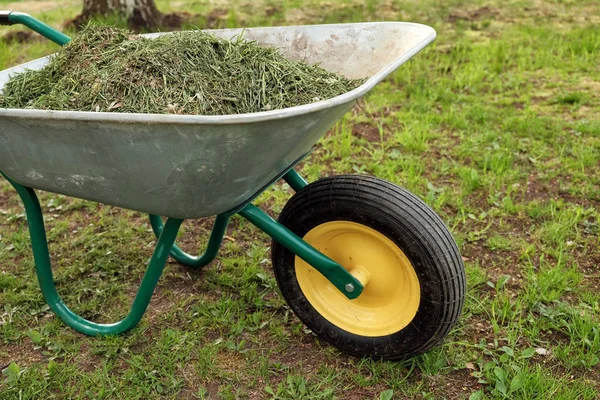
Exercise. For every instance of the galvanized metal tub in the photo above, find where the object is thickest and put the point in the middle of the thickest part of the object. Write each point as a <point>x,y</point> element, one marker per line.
<point>197,166</point>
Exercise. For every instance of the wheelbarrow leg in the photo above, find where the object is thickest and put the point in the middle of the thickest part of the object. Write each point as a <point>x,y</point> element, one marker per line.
<point>46,280</point>
<point>295,181</point>
<point>214,242</point>
<point>292,178</point>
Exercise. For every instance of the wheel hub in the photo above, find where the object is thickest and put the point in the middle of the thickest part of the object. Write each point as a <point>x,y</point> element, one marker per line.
<point>391,295</point>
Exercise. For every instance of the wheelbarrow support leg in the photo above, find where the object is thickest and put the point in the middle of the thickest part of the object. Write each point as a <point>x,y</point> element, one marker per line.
<point>295,181</point>
<point>334,272</point>
<point>46,280</point>
<point>292,178</point>
<point>214,242</point>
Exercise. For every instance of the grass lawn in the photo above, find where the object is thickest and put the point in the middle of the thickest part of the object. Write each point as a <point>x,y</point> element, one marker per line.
<point>496,126</point>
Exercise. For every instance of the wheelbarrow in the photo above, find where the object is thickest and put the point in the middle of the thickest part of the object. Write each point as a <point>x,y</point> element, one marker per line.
<point>366,265</point>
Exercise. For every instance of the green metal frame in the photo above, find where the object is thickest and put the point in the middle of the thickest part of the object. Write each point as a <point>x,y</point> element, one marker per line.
<point>43,269</point>
<point>295,181</point>
<point>36,25</point>
<point>334,272</point>
<point>220,225</point>
<point>166,234</point>
<point>214,242</point>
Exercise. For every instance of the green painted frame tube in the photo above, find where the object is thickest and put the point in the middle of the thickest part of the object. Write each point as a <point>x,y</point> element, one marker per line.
<point>43,269</point>
<point>295,181</point>
<point>334,272</point>
<point>214,242</point>
<point>38,26</point>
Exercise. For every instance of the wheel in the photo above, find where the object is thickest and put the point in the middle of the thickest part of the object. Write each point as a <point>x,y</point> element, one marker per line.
<point>387,237</point>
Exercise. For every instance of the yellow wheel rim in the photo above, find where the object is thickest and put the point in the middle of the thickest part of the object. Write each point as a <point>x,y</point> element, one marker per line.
<point>391,295</point>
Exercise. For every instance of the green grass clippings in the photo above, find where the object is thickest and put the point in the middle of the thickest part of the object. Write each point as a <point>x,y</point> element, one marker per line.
<point>112,70</point>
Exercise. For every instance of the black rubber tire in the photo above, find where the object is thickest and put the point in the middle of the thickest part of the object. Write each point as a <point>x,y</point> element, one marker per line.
<point>407,221</point>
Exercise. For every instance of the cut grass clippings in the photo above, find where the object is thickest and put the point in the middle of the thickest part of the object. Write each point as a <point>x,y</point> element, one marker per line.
<point>107,69</point>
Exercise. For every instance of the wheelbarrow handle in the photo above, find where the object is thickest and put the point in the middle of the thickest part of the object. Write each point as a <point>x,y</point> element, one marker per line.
<point>4,20</point>
<point>13,17</point>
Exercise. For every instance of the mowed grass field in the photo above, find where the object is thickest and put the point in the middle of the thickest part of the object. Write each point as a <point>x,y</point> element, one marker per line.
<point>496,126</point>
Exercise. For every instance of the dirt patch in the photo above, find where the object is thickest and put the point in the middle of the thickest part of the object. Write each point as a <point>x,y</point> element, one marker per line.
<point>22,37</point>
<point>305,354</point>
<point>478,328</point>
<point>85,359</point>
<point>535,189</point>
<point>271,10</point>
<point>588,264</point>
<point>589,85</point>
<point>366,131</point>
<point>477,250</point>
<point>215,18</point>
<point>564,12</point>
<point>477,14</point>
<point>5,199</point>
<point>174,20</point>
<point>304,351</point>
<point>23,354</point>
<point>138,21</point>
<point>458,385</point>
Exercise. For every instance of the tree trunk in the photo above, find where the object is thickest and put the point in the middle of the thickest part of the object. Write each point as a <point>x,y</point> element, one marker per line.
<point>140,14</point>
<point>144,13</point>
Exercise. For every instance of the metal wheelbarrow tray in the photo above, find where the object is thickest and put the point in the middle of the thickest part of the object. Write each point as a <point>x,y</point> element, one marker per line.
<point>193,166</point>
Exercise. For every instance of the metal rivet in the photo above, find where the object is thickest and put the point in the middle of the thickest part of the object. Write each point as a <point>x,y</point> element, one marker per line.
<point>349,287</point>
